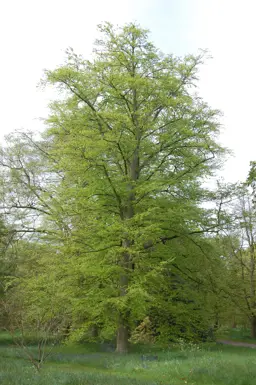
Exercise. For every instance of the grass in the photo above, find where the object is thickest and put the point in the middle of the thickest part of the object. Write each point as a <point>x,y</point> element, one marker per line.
<point>209,364</point>
<point>239,334</point>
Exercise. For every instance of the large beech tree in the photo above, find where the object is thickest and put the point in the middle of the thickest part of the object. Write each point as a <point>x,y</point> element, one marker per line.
<point>130,144</point>
<point>134,143</point>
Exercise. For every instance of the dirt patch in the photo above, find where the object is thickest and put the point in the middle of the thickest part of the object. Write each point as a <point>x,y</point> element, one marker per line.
<point>234,343</point>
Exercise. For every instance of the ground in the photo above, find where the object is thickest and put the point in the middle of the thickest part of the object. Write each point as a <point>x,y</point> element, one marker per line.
<point>237,343</point>
<point>208,364</point>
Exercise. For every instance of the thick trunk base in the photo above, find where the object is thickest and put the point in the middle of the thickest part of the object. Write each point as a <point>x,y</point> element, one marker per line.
<point>122,343</point>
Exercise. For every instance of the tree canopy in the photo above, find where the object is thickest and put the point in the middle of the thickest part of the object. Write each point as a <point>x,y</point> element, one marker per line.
<point>115,187</point>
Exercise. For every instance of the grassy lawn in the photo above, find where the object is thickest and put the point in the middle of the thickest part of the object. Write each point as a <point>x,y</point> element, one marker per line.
<point>83,365</point>
<point>238,334</point>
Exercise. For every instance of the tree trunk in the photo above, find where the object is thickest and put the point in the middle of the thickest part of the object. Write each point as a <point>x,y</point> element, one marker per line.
<point>94,331</point>
<point>234,323</point>
<point>123,329</point>
<point>67,330</point>
<point>216,324</point>
<point>253,326</point>
<point>122,338</point>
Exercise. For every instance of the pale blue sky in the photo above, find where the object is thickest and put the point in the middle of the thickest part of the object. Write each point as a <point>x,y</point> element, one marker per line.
<point>35,33</point>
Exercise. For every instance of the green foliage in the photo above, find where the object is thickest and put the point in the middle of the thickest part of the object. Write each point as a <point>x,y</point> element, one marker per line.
<point>113,192</point>
<point>7,263</point>
<point>240,258</point>
<point>134,144</point>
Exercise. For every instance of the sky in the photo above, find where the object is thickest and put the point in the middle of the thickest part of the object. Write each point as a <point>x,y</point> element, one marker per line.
<point>35,34</point>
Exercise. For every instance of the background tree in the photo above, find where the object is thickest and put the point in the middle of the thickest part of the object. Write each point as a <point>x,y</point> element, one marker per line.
<point>7,263</point>
<point>237,248</point>
<point>35,310</point>
<point>246,255</point>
